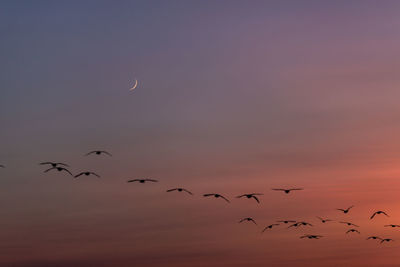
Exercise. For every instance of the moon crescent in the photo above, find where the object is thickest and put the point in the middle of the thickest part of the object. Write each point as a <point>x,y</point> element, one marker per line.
<point>134,86</point>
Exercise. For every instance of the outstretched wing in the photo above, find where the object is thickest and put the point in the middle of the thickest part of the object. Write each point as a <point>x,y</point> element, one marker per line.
<point>151,180</point>
<point>49,169</point>
<point>253,221</point>
<point>91,152</point>
<point>241,196</point>
<point>95,174</point>
<point>207,195</point>
<point>64,169</point>
<point>187,191</point>
<point>105,152</point>
<point>278,189</point>
<point>170,190</point>
<point>258,201</point>
<point>225,198</point>
<point>385,214</point>
<point>134,180</point>
<point>373,215</point>
<point>76,176</point>
<point>291,189</point>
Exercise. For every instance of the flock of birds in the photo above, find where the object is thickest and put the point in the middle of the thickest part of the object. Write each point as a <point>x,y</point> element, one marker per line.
<point>62,167</point>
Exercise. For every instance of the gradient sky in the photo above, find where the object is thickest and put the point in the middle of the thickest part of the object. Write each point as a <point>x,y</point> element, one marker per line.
<point>233,97</point>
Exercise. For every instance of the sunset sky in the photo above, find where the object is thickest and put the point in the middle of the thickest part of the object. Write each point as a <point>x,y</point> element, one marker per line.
<point>233,97</point>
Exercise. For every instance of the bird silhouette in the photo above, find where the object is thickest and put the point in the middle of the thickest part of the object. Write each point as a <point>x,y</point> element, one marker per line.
<point>392,225</point>
<point>53,164</point>
<point>269,226</point>
<point>287,191</point>
<point>311,236</point>
<point>350,224</point>
<point>297,224</point>
<point>346,210</point>
<point>377,213</point>
<point>248,219</point>
<point>386,240</point>
<point>352,231</point>
<point>2,166</point>
<point>324,220</point>
<point>374,237</point>
<point>216,196</point>
<point>87,174</point>
<point>252,195</point>
<point>59,169</point>
<point>98,152</point>
<point>180,190</point>
<point>142,181</point>
<point>287,221</point>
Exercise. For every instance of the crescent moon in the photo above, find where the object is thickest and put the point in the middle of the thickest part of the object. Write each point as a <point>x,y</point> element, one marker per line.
<point>134,86</point>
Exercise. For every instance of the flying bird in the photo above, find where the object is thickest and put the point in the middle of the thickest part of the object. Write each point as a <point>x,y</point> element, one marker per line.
<point>98,152</point>
<point>249,219</point>
<point>252,195</point>
<point>377,213</point>
<point>352,231</point>
<point>216,196</point>
<point>287,221</point>
<point>134,85</point>
<point>59,169</point>
<point>287,191</point>
<point>346,210</point>
<point>179,190</point>
<point>2,166</point>
<point>311,236</point>
<point>269,226</point>
<point>374,237</point>
<point>142,181</point>
<point>386,240</point>
<point>87,174</point>
<point>53,164</point>
<point>392,225</point>
<point>324,220</point>
<point>350,224</point>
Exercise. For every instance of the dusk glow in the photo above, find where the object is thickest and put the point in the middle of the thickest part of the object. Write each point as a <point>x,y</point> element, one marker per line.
<point>230,98</point>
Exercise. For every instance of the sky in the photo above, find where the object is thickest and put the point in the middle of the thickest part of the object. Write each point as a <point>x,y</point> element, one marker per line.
<point>233,97</point>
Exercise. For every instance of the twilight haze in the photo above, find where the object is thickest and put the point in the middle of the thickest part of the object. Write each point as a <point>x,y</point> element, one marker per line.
<point>233,97</point>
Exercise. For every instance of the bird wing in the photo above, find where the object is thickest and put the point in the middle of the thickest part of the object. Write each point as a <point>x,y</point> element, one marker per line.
<point>253,221</point>
<point>105,152</point>
<point>134,180</point>
<point>373,215</point>
<point>341,210</point>
<point>60,163</point>
<point>350,207</point>
<point>258,201</point>
<point>291,189</point>
<point>225,198</point>
<point>278,189</point>
<point>67,171</point>
<point>241,196</point>
<point>385,213</point>
<point>49,169</point>
<point>91,152</point>
<point>207,195</point>
<point>44,163</point>
<point>170,190</point>
<point>151,180</point>
<point>95,174</point>
<point>76,176</point>
<point>187,191</point>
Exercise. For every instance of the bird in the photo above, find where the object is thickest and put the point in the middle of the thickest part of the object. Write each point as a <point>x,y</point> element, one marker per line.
<point>352,231</point>
<point>248,219</point>
<point>377,213</point>
<point>392,225</point>
<point>98,152</point>
<point>217,196</point>
<point>346,210</point>
<point>59,169</point>
<point>386,240</point>
<point>269,226</point>
<point>252,195</point>
<point>180,190</point>
<point>350,224</point>
<point>2,166</point>
<point>324,220</point>
<point>287,191</point>
<point>297,224</point>
<point>142,181</point>
<point>87,174</point>
<point>311,236</point>
<point>287,221</point>
<point>374,237</point>
<point>53,164</point>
